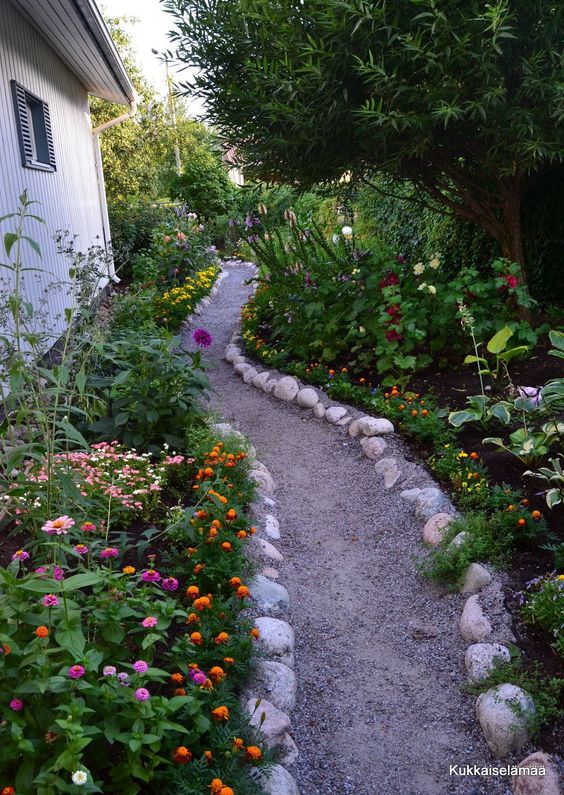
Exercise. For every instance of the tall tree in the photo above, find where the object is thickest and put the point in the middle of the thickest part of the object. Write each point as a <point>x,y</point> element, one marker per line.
<point>463,98</point>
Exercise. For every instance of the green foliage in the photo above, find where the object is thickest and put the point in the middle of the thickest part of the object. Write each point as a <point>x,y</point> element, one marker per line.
<point>133,221</point>
<point>203,185</point>
<point>480,410</point>
<point>461,100</point>
<point>149,389</point>
<point>543,605</point>
<point>530,446</point>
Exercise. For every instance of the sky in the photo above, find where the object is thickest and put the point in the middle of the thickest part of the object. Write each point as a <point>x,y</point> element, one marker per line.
<point>149,32</point>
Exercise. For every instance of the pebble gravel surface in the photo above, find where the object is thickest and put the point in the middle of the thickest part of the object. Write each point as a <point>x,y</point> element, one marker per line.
<point>379,659</point>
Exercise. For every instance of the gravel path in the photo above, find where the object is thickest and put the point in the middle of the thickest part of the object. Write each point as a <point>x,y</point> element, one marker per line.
<point>378,657</point>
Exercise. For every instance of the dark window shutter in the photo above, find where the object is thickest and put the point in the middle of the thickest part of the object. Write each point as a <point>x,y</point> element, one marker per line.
<point>49,133</point>
<point>22,121</point>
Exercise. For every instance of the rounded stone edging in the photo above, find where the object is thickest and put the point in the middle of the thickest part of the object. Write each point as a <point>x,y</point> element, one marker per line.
<point>431,505</point>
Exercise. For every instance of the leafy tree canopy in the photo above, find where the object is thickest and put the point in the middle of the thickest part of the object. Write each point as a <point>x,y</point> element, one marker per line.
<point>462,97</point>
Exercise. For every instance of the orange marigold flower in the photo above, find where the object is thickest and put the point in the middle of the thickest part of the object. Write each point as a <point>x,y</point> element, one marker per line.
<point>8,791</point>
<point>235,582</point>
<point>208,755</point>
<point>255,633</point>
<point>226,791</point>
<point>191,550</point>
<point>220,713</point>
<point>252,530</point>
<point>241,534</point>
<point>521,522</point>
<point>182,755</point>
<point>238,743</point>
<point>226,546</point>
<point>414,413</point>
<point>193,618</point>
<point>228,660</point>
<point>208,471</point>
<point>216,786</point>
<point>524,503</point>
<point>474,456</point>
<point>231,515</point>
<point>254,753</point>
<point>180,691</point>
<point>196,638</point>
<point>222,637</point>
<point>217,674</point>
<point>129,569</point>
<point>216,523</point>
<point>243,592</point>
<point>536,515</point>
<point>199,567</point>
<point>42,632</point>
<point>202,603</point>
<point>7,649</point>
<point>201,514</point>
<point>212,532</point>
<point>177,677</point>
<point>424,413</point>
<point>192,591</point>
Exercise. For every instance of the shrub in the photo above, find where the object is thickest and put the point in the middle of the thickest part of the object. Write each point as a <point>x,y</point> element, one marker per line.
<point>543,605</point>
<point>132,223</point>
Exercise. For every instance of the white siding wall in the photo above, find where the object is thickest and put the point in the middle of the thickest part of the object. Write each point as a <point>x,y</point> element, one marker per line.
<point>69,197</point>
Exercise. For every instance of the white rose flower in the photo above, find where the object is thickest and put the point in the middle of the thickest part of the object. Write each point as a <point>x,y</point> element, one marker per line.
<point>79,777</point>
<point>432,289</point>
<point>418,268</point>
<point>435,262</point>
<point>347,231</point>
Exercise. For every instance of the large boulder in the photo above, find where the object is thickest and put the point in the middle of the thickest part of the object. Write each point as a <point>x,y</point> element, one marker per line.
<point>334,414</point>
<point>388,467</point>
<point>373,447</point>
<point>270,597</point>
<point>307,398</point>
<point>429,502</point>
<point>260,379</point>
<point>275,682</point>
<point>286,389</point>
<point>275,724</point>
<point>263,480</point>
<point>249,374</point>
<point>279,782</point>
<point>505,713</point>
<point>474,624</point>
<point>434,529</point>
<point>475,578</point>
<point>536,782</point>
<point>319,411</point>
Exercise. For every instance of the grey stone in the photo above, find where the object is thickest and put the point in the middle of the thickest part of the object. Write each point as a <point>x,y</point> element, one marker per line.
<point>276,639</point>
<point>373,426</point>
<point>271,597</point>
<point>270,573</point>
<point>319,411</point>
<point>307,398</point>
<point>474,625</point>
<point>459,539</point>
<point>429,502</point>
<point>270,385</point>
<point>275,724</point>
<point>421,630</point>
<point>433,531</point>
<point>238,360</point>
<point>263,480</point>
<point>288,754</point>
<point>242,368</point>
<point>286,389</point>
<point>388,467</point>
<point>272,526</point>
<point>279,782</point>
<point>476,577</point>
<point>373,447</point>
<point>410,495</point>
<point>547,784</point>
<point>334,414</point>
<point>260,380</point>
<point>269,550</point>
<point>354,429</point>
<point>480,659</point>
<point>343,422</point>
<point>231,352</point>
<point>249,374</point>
<point>275,682</point>
<point>504,713</point>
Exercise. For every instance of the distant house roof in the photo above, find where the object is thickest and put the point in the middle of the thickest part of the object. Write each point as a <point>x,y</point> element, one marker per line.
<point>76,31</point>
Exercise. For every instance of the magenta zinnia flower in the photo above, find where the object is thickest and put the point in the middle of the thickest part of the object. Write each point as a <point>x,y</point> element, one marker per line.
<point>76,671</point>
<point>169,584</point>
<point>150,621</point>
<point>202,338</point>
<point>82,549</point>
<point>58,527</point>
<point>16,704</point>
<point>109,552</point>
<point>142,694</point>
<point>150,576</point>
<point>21,554</point>
<point>50,600</point>
<point>140,667</point>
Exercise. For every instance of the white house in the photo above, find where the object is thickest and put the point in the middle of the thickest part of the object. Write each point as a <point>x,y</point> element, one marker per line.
<point>53,55</point>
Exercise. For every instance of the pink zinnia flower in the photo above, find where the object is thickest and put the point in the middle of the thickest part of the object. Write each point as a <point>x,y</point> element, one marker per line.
<point>58,573</point>
<point>150,576</point>
<point>21,554</point>
<point>109,670</point>
<point>76,671</point>
<point>150,621</point>
<point>140,667</point>
<point>199,678</point>
<point>82,549</point>
<point>142,694</point>
<point>59,526</point>
<point>88,527</point>
<point>50,600</point>
<point>16,704</point>
<point>169,584</point>
<point>109,552</point>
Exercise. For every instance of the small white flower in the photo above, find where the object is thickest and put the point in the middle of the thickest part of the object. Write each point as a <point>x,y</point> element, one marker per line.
<point>422,286</point>
<point>435,262</point>
<point>79,777</point>
<point>418,268</point>
<point>432,289</point>
<point>347,231</point>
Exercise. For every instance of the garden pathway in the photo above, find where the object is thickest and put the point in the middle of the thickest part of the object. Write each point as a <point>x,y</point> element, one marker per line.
<point>378,657</point>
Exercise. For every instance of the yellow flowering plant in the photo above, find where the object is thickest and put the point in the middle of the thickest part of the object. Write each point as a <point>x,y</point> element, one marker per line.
<point>176,304</point>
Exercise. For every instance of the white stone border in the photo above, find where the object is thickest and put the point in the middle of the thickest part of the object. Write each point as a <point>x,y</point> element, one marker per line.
<point>504,711</point>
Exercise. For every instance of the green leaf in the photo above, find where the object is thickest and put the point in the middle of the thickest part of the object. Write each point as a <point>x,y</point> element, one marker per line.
<point>84,580</point>
<point>9,239</point>
<point>458,418</point>
<point>500,412</point>
<point>472,359</point>
<point>499,340</point>
<point>506,356</point>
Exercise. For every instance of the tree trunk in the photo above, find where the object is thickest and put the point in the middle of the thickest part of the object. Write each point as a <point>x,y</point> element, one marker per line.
<point>512,234</point>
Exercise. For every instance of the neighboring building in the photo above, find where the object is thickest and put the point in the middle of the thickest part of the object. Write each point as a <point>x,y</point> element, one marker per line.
<point>53,55</point>
<point>235,171</point>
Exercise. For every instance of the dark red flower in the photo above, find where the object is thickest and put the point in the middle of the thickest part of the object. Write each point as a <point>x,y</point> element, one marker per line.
<point>389,279</point>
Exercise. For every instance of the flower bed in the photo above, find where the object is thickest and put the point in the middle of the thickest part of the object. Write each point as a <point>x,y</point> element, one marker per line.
<point>131,646</point>
<point>173,306</point>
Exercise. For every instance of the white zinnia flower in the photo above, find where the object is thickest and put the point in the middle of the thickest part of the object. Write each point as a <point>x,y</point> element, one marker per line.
<point>418,268</point>
<point>347,231</point>
<point>79,777</point>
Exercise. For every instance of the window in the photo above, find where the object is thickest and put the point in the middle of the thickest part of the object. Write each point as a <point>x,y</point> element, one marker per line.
<point>34,129</point>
